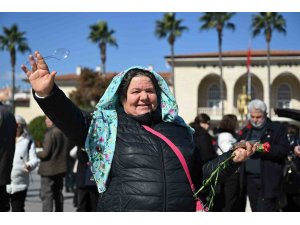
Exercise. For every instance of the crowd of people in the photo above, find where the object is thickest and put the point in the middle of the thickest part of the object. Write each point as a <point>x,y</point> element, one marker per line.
<point>270,180</point>
<point>124,153</point>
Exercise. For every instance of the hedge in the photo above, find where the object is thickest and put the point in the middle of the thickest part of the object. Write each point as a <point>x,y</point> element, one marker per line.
<point>37,129</point>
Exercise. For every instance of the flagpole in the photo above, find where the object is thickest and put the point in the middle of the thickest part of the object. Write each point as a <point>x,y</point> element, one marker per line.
<point>248,71</point>
<point>249,83</point>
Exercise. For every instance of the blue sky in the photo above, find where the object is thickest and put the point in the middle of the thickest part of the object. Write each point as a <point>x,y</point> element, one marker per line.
<point>135,36</point>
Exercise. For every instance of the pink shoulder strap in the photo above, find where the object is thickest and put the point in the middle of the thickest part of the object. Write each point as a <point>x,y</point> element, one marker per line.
<point>176,151</point>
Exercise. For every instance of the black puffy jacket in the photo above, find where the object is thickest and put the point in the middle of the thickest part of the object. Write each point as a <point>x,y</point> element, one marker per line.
<point>145,175</point>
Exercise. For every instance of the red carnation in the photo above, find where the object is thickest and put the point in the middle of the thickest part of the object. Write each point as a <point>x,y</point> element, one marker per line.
<point>266,147</point>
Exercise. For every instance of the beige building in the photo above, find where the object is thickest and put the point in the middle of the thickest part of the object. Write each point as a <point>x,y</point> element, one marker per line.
<point>198,90</point>
<point>197,83</point>
<point>31,110</point>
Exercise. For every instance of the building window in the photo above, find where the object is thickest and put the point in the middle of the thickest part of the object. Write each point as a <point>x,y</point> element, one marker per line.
<point>283,96</point>
<point>214,96</point>
<point>253,93</point>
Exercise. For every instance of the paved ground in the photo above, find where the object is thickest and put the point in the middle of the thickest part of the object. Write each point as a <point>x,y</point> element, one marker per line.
<point>33,202</point>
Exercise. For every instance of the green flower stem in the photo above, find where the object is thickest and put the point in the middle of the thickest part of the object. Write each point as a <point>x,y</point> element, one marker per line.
<point>215,173</point>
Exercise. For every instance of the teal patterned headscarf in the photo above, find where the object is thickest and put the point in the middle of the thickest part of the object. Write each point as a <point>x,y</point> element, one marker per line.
<point>101,139</point>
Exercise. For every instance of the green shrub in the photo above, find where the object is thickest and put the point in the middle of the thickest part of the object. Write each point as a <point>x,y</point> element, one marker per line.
<point>37,129</point>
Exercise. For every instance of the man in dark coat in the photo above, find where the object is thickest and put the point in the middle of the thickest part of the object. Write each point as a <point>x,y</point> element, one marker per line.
<point>53,167</point>
<point>262,174</point>
<point>8,129</point>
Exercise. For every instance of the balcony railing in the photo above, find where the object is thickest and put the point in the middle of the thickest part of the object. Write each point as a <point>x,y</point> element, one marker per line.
<point>216,113</point>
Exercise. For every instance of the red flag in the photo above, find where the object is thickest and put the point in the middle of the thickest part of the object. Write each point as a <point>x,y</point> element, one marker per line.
<point>248,60</point>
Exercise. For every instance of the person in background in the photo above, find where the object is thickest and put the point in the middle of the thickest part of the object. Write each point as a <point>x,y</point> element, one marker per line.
<point>73,155</point>
<point>25,160</point>
<point>292,172</point>
<point>204,149</point>
<point>202,139</point>
<point>8,128</point>
<point>70,179</point>
<point>226,199</point>
<point>86,188</point>
<point>262,175</point>
<point>134,170</point>
<point>53,167</point>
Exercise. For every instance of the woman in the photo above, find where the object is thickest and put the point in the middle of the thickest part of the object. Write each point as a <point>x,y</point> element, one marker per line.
<point>226,200</point>
<point>202,138</point>
<point>204,149</point>
<point>134,170</point>
<point>25,160</point>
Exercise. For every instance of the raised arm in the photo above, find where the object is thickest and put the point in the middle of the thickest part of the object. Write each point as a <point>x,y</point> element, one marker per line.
<point>64,114</point>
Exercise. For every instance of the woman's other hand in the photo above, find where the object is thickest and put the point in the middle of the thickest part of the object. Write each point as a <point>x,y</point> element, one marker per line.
<point>243,153</point>
<point>41,80</point>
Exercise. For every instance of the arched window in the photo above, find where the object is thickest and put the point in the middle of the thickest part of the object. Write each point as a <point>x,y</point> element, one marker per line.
<point>214,96</point>
<point>283,96</point>
<point>253,92</point>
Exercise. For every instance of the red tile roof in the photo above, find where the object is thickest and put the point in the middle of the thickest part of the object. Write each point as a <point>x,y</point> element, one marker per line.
<point>73,76</point>
<point>240,54</point>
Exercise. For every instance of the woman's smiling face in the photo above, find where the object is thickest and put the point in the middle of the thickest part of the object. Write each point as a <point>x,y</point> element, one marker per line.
<point>141,96</point>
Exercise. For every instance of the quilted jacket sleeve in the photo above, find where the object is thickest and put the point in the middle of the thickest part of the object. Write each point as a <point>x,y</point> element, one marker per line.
<point>210,166</point>
<point>65,115</point>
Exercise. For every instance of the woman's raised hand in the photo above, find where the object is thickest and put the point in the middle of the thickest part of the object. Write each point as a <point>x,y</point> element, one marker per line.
<point>40,78</point>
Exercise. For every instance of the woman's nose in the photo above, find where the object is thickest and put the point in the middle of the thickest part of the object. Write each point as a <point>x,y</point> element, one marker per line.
<point>143,95</point>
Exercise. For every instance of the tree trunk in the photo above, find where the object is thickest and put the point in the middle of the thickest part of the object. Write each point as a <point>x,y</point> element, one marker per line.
<point>103,56</point>
<point>221,73</point>
<point>173,74</point>
<point>269,77</point>
<point>13,91</point>
<point>12,54</point>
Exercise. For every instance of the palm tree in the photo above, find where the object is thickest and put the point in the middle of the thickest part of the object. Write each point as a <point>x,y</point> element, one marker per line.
<point>218,21</point>
<point>267,22</point>
<point>100,34</point>
<point>171,28</point>
<point>13,40</point>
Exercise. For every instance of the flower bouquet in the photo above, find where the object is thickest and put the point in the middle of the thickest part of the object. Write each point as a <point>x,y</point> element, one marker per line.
<point>212,180</point>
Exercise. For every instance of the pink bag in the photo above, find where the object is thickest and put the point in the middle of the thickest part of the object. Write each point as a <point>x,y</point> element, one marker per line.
<point>199,205</point>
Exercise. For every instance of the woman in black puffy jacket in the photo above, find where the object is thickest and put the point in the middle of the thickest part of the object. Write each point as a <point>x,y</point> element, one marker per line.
<point>134,170</point>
